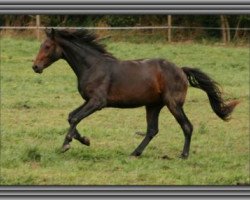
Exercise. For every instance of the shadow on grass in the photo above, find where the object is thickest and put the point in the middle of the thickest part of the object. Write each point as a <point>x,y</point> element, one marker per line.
<point>89,154</point>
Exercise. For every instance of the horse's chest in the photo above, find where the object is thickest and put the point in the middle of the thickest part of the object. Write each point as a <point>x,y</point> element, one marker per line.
<point>83,90</point>
<point>90,89</point>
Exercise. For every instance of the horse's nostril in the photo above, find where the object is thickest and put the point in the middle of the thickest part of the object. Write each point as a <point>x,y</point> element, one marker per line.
<point>35,67</point>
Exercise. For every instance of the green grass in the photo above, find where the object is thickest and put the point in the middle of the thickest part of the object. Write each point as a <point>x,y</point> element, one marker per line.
<point>34,110</point>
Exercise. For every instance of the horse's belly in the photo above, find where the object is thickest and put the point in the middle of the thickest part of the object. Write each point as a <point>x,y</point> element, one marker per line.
<point>132,97</point>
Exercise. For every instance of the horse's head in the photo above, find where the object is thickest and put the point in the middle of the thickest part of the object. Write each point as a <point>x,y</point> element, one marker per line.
<point>49,52</point>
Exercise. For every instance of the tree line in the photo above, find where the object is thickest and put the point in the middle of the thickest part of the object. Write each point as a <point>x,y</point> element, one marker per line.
<point>228,27</point>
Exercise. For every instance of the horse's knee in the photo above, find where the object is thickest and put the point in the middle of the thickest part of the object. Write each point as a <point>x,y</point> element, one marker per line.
<point>71,119</point>
<point>152,133</point>
<point>70,116</point>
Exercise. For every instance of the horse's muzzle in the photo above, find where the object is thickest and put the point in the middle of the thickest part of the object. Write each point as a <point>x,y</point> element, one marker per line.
<point>37,69</point>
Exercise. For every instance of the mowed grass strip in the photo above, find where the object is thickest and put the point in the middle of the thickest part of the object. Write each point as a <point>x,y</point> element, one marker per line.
<point>34,111</point>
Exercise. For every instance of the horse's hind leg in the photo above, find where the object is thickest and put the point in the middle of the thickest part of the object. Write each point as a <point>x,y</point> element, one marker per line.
<point>152,113</point>
<point>186,126</point>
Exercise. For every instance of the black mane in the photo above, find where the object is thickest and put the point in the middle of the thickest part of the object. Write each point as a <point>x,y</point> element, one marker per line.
<point>83,37</point>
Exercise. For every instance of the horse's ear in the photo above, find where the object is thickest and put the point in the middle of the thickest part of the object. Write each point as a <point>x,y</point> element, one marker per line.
<point>50,33</point>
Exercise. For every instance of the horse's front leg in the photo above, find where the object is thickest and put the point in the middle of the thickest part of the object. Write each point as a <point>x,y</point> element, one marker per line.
<point>80,113</point>
<point>84,140</point>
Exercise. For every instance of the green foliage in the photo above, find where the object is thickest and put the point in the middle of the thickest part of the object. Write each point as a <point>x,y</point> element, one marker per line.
<point>34,110</point>
<point>139,20</point>
<point>122,20</point>
<point>70,20</point>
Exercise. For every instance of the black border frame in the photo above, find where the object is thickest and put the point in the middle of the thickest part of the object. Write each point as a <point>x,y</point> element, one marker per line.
<point>124,7</point>
<point>102,7</point>
<point>116,191</point>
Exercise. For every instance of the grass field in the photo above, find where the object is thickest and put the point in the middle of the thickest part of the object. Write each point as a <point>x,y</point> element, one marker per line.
<point>34,111</point>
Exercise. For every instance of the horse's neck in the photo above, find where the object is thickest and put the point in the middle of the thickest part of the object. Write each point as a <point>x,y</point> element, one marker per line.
<point>79,59</point>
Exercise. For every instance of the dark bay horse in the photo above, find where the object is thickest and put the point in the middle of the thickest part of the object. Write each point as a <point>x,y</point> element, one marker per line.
<point>105,81</point>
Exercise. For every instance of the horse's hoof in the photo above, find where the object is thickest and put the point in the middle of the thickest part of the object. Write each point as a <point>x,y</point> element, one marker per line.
<point>183,156</point>
<point>85,141</point>
<point>135,154</point>
<point>65,148</point>
<point>140,133</point>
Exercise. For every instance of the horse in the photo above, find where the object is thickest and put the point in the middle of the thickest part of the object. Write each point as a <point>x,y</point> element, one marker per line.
<point>105,81</point>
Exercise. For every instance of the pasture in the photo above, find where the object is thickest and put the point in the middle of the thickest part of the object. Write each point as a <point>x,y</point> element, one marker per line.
<point>34,112</point>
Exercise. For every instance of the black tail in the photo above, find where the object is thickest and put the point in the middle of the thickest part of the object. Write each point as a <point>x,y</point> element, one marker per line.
<point>200,80</point>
